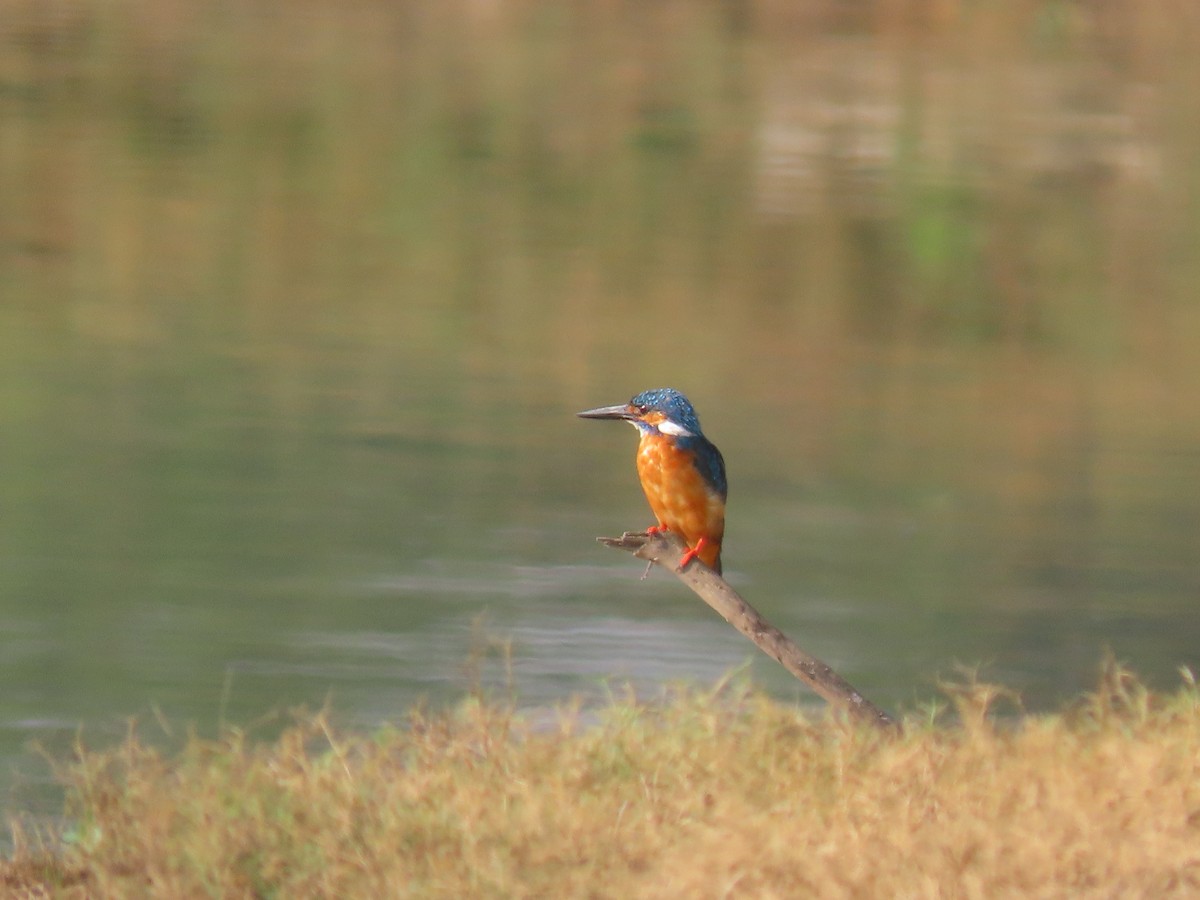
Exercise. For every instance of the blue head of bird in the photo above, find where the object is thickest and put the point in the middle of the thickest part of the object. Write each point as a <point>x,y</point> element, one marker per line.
<point>662,410</point>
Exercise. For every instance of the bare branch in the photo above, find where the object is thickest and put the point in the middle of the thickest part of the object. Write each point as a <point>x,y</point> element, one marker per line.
<point>667,550</point>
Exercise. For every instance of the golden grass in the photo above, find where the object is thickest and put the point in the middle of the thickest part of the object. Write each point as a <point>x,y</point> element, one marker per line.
<point>714,794</point>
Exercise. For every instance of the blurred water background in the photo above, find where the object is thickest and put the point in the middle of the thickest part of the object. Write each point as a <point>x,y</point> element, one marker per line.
<point>298,299</point>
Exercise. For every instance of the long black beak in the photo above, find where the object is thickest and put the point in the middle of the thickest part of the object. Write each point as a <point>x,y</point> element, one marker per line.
<point>620,411</point>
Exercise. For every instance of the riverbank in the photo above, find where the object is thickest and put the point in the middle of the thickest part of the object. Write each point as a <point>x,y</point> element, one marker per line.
<point>706,794</point>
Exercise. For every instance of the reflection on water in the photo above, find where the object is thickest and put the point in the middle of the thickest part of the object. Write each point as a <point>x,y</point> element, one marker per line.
<point>293,331</point>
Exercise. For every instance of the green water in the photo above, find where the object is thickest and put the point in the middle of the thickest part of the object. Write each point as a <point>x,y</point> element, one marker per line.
<point>297,308</point>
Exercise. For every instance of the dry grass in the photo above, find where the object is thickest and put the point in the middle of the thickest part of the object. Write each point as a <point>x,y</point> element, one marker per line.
<point>707,795</point>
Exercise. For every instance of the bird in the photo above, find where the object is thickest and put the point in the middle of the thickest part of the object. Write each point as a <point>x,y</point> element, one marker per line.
<point>681,471</point>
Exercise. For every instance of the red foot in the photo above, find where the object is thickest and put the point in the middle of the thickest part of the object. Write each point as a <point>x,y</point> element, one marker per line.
<point>692,553</point>
<point>656,529</point>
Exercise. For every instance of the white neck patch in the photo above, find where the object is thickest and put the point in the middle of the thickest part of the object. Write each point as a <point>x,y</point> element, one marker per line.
<point>669,427</point>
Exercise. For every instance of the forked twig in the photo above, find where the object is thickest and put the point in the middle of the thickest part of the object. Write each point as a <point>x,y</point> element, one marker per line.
<point>667,550</point>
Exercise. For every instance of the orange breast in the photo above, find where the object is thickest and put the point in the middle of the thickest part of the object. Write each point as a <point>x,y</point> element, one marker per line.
<point>680,498</point>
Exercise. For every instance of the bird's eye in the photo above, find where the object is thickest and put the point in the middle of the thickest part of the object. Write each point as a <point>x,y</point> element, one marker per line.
<point>641,409</point>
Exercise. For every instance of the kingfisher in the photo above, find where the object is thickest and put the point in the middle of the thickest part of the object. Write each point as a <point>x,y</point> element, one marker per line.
<point>682,472</point>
